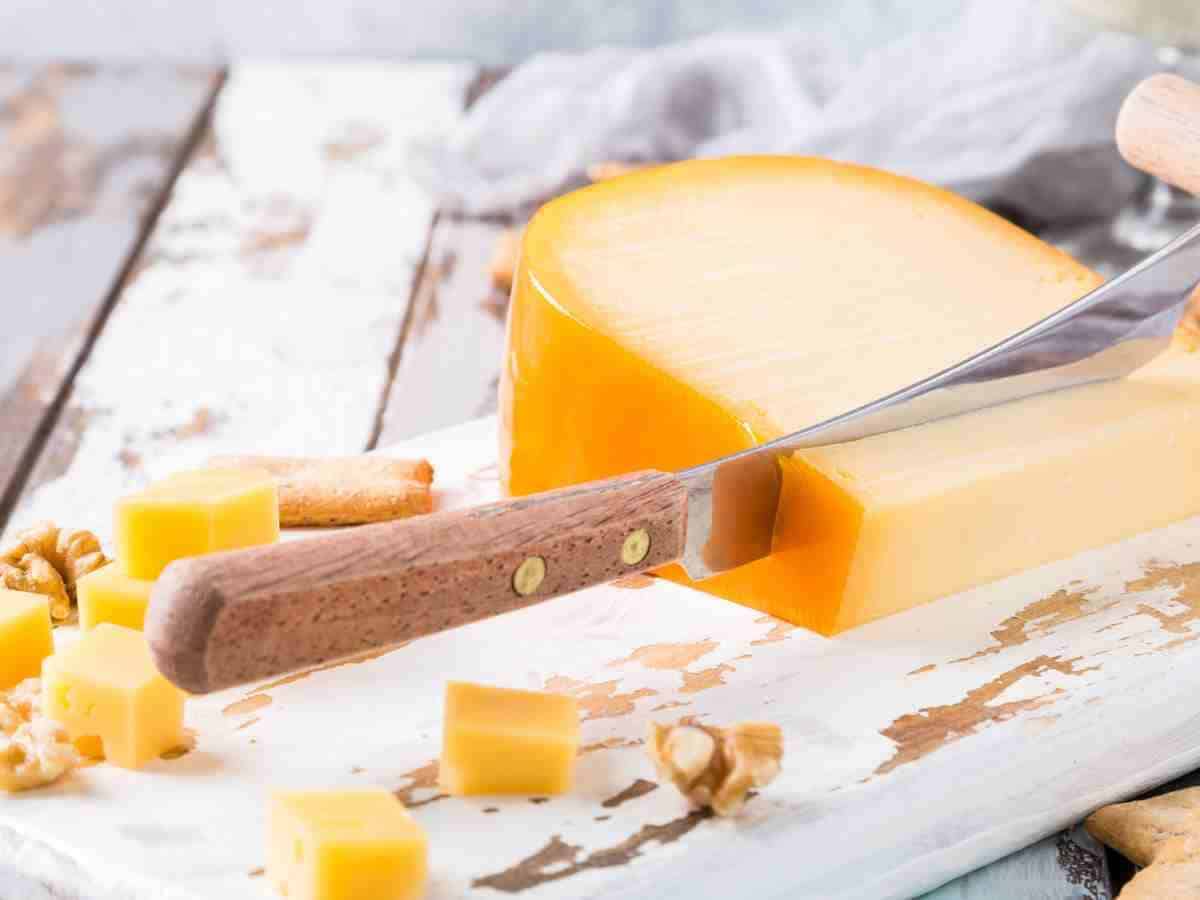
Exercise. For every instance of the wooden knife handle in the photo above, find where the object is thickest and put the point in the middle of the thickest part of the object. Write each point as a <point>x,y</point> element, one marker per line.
<point>1158,130</point>
<point>229,618</point>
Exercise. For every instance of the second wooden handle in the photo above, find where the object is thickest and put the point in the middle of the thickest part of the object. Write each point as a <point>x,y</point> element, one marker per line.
<point>1158,130</point>
<point>230,618</point>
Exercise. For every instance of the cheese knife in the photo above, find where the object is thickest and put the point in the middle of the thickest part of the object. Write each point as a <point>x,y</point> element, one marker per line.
<point>230,618</point>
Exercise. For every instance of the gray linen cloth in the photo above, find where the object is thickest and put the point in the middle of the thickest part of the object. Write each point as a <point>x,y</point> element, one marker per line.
<point>1012,103</point>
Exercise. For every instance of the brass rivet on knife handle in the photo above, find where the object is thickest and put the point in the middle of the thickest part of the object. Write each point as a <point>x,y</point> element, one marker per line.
<point>230,618</point>
<point>1158,130</point>
<point>529,575</point>
<point>636,546</point>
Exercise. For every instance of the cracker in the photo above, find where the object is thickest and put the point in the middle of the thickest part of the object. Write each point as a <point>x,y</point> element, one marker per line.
<point>1138,830</point>
<point>1174,875</point>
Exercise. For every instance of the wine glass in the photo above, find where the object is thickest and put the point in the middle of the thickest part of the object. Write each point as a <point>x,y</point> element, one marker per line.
<point>1162,212</point>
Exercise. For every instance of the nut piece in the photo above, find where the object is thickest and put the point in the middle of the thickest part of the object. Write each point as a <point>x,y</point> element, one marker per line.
<point>503,267</point>
<point>40,539</point>
<point>77,553</point>
<point>717,767</point>
<point>34,750</point>
<point>33,574</point>
<point>45,559</point>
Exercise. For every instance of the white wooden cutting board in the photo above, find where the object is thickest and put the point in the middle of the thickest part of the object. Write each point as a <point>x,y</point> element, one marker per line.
<point>918,747</point>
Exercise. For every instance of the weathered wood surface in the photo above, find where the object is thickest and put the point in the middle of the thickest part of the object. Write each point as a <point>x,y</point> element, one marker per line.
<point>450,361</point>
<point>85,155</point>
<point>446,372</point>
<point>265,309</point>
<point>918,748</point>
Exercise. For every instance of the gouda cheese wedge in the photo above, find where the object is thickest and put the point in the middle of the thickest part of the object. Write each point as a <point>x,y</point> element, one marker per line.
<point>25,636</point>
<point>502,741</point>
<point>192,514</point>
<point>105,687</point>
<point>681,313</point>
<point>345,845</point>
<point>109,595</point>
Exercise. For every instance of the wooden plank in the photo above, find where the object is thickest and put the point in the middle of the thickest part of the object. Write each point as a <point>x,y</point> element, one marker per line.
<point>450,359</point>
<point>917,747</point>
<point>263,312</point>
<point>85,156</point>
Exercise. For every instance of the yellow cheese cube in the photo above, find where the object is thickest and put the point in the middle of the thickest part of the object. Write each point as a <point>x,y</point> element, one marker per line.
<point>501,741</point>
<point>194,513</point>
<point>345,845</point>
<point>105,687</point>
<point>109,595</point>
<point>25,638</point>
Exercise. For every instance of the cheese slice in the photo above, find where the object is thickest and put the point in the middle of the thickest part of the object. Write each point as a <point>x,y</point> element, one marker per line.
<point>678,314</point>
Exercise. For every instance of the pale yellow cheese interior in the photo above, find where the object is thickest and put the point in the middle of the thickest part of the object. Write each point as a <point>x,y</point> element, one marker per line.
<point>960,502</point>
<point>792,290</point>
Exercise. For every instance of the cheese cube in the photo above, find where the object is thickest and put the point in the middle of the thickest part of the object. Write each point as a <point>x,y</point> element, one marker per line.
<point>344,845</point>
<point>109,595</point>
<point>681,313</point>
<point>25,637</point>
<point>105,687</point>
<point>192,514</point>
<point>502,741</point>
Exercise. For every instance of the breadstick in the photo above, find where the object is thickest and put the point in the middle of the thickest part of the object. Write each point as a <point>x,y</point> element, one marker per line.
<point>418,470</point>
<point>354,490</point>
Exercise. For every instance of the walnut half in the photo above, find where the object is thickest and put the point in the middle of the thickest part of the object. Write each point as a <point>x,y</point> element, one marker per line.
<point>34,750</point>
<point>49,560</point>
<point>717,767</point>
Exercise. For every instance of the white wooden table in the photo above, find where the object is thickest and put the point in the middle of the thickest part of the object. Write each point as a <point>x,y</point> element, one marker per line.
<point>297,292</point>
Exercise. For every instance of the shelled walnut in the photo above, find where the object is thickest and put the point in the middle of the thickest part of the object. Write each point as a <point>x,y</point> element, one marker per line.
<point>34,574</point>
<point>34,750</point>
<point>49,560</point>
<point>717,767</point>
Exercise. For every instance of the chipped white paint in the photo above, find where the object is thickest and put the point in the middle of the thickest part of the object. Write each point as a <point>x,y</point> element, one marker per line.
<point>83,153</point>
<point>269,299</point>
<point>1090,705</point>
